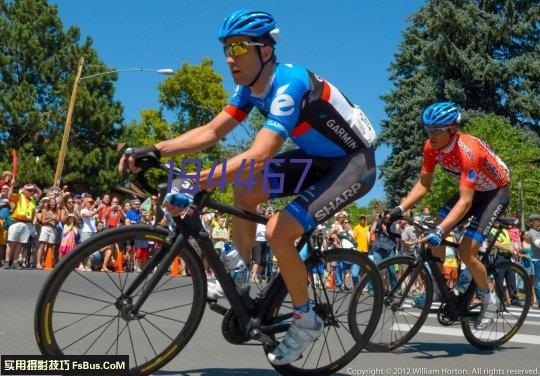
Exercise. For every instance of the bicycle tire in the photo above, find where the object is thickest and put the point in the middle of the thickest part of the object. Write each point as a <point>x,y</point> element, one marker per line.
<point>484,343</point>
<point>45,307</point>
<point>369,274</point>
<point>385,339</point>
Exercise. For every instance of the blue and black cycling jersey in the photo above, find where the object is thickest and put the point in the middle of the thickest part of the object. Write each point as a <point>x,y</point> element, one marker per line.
<point>299,104</point>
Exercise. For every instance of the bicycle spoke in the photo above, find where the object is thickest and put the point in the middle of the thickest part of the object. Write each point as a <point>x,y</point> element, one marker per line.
<point>117,337</point>
<point>87,315</point>
<point>164,317</point>
<point>84,336</point>
<point>86,297</point>
<point>100,334</point>
<point>147,338</point>
<point>112,280</point>
<point>151,323</point>
<point>132,347</point>
<point>95,284</point>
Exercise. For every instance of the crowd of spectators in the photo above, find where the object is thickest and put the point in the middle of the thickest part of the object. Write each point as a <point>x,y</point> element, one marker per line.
<point>34,223</point>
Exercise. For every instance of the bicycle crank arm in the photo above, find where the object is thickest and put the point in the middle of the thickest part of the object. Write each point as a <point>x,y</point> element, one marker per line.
<point>217,307</point>
<point>257,335</point>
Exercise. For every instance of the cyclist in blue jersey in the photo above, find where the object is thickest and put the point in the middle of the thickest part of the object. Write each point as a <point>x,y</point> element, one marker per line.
<point>327,128</point>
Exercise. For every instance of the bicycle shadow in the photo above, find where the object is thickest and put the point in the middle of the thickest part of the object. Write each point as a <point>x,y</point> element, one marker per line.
<point>223,371</point>
<point>447,350</point>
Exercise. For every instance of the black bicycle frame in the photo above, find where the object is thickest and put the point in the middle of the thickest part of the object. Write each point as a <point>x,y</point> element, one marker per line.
<point>455,305</point>
<point>191,226</point>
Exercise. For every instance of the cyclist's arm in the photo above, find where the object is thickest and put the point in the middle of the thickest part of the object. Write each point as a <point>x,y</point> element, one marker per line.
<point>200,138</point>
<point>420,189</point>
<point>266,145</point>
<point>459,210</point>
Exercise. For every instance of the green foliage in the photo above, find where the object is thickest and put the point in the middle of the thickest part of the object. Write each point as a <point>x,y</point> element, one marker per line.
<point>38,61</point>
<point>518,151</point>
<point>195,93</point>
<point>481,54</point>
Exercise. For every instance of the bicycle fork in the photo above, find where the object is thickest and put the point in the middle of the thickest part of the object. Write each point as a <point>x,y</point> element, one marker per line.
<point>162,260</point>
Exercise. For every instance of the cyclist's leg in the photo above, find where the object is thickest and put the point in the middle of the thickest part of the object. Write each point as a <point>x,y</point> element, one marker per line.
<point>243,235</point>
<point>485,209</point>
<point>348,179</point>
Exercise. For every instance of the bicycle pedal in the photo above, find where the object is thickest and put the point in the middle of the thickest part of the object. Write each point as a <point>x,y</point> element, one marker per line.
<point>217,307</point>
<point>257,335</point>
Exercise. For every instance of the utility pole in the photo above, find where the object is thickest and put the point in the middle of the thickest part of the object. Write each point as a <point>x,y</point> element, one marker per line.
<point>67,127</point>
<point>520,190</point>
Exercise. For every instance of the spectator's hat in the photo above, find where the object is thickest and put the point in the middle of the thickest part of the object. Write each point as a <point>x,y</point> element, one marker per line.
<point>362,216</point>
<point>85,194</point>
<point>340,213</point>
<point>533,217</point>
<point>71,215</point>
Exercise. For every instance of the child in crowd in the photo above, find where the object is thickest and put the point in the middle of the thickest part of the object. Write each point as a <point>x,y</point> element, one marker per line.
<point>69,234</point>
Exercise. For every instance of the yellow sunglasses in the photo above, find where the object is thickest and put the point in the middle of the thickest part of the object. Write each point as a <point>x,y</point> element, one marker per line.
<point>238,48</point>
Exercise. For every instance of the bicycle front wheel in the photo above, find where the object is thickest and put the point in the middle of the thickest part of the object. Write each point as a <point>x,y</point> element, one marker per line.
<point>404,312</point>
<point>81,313</point>
<point>346,291</point>
<point>512,312</point>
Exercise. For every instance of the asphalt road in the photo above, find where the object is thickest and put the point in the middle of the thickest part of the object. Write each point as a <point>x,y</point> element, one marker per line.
<point>435,350</point>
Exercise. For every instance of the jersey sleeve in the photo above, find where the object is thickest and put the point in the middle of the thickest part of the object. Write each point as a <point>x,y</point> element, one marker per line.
<point>285,108</point>
<point>428,166</point>
<point>240,105</point>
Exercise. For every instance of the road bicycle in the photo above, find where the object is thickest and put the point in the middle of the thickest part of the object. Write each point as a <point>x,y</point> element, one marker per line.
<point>152,315</point>
<point>404,277</point>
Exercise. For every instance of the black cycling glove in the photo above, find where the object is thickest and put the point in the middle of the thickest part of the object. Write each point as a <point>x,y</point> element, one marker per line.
<point>395,213</point>
<point>144,157</point>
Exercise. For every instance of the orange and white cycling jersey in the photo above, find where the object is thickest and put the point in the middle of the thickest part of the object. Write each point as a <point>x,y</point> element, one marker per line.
<point>470,160</point>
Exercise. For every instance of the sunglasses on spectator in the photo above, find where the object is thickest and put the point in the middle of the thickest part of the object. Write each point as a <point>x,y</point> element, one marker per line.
<point>346,222</point>
<point>238,48</point>
<point>436,131</point>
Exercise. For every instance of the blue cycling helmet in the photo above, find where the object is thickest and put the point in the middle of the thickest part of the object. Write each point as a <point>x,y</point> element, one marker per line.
<point>441,113</point>
<point>249,23</point>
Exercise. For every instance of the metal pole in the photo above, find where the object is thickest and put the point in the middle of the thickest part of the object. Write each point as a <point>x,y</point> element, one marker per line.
<point>67,127</point>
<point>520,190</point>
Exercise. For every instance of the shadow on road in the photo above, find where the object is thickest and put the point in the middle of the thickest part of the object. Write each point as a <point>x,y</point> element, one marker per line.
<point>446,350</point>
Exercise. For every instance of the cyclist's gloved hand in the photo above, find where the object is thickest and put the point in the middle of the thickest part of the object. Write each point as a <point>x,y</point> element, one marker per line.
<point>144,157</point>
<point>180,200</point>
<point>435,238</point>
<point>180,197</point>
<point>395,213</point>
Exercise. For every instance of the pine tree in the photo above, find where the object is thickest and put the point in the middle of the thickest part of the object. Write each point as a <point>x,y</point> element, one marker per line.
<point>481,54</point>
<point>38,61</point>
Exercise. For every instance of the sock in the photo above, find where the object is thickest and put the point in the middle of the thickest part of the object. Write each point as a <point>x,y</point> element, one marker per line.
<point>487,297</point>
<point>304,316</point>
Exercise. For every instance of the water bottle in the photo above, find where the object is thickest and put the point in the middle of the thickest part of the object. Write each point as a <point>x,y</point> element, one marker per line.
<point>465,278</point>
<point>235,265</point>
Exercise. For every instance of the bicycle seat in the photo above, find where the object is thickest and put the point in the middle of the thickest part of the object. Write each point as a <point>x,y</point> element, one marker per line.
<point>508,221</point>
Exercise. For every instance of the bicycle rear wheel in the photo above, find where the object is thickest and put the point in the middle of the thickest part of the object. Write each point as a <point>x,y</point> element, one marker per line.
<point>399,323</point>
<point>350,310</point>
<point>79,313</point>
<point>510,315</point>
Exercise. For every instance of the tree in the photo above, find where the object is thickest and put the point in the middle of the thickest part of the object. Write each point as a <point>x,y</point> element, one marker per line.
<point>38,61</point>
<point>518,151</point>
<point>480,54</point>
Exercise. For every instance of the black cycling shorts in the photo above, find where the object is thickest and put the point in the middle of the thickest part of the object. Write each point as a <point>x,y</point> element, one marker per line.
<point>485,209</point>
<point>330,183</point>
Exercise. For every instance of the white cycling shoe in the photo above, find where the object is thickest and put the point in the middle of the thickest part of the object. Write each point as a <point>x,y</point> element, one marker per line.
<point>488,314</point>
<point>295,342</point>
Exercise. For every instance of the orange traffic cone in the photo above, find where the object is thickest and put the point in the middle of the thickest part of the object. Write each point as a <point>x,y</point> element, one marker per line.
<point>331,282</point>
<point>175,267</point>
<point>49,258</point>
<point>119,264</point>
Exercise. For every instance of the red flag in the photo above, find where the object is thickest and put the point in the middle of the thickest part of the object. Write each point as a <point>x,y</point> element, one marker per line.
<point>14,163</point>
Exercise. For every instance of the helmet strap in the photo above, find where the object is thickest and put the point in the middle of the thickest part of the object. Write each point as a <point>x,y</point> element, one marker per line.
<point>263,63</point>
